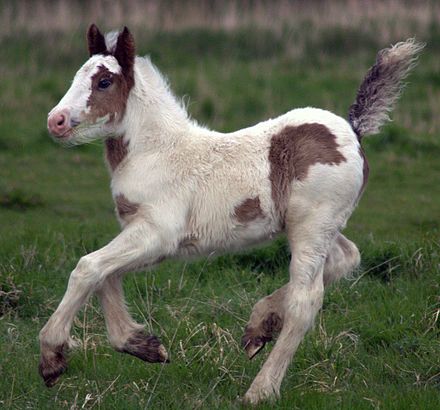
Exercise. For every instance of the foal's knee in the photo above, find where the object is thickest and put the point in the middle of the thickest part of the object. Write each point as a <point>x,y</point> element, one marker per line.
<point>86,272</point>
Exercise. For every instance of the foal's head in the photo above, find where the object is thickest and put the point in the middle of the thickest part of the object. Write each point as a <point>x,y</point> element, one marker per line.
<point>95,104</point>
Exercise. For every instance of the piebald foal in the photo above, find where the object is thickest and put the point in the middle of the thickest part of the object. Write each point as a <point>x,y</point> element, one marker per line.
<point>181,190</point>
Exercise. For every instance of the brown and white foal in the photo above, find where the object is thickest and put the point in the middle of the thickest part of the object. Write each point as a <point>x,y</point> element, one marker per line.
<point>182,190</point>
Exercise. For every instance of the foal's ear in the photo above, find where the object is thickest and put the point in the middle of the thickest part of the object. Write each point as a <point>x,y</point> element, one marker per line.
<point>125,51</point>
<point>96,41</point>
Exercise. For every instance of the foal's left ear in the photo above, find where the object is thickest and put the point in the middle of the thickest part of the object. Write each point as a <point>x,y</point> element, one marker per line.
<point>125,51</point>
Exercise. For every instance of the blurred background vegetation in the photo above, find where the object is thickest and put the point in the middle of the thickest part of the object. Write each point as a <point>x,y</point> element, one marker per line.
<point>376,343</point>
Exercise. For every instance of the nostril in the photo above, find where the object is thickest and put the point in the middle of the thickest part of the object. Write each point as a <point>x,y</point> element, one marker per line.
<point>61,120</point>
<point>58,123</point>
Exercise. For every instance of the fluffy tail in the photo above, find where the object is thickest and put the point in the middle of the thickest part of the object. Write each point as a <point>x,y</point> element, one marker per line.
<point>382,87</point>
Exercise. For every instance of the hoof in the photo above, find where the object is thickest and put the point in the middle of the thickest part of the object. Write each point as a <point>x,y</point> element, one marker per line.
<point>253,343</point>
<point>146,347</point>
<point>255,338</point>
<point>253,398</point>
<point>261,389</point>
<point>52,365</point>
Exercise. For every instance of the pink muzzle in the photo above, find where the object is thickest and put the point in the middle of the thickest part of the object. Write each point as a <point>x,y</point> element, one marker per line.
<point>58,123</point>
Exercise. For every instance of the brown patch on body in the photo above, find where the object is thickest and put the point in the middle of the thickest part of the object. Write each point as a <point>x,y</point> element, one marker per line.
<point>116,149</point>
<point>365,170</point>
<point>146,347</point>
<point>125,207</point>
<point>292,152</point>
<point>52,365</point>
<point>248,210</point>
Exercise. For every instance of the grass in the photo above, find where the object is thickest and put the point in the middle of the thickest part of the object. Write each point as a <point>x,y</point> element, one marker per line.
<point>376,342</point>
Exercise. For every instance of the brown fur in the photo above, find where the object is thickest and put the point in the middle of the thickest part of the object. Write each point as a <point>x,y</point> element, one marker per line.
<point>146,347</point>
<point>115,151</point>
<point>125,207</point>
<point>125,54</point>
<point>52,365</point>
<point>249,210</point>
<point>292,152</point>
<point>110,101</point>
<point>255,338</point>
<point>96,41</point>
<point>265,322</point>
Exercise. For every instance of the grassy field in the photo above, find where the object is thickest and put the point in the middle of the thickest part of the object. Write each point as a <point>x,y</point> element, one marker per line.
<point>376,343</point>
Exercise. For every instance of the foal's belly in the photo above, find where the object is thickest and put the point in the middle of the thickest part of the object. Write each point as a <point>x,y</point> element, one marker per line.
<point>232,239</point>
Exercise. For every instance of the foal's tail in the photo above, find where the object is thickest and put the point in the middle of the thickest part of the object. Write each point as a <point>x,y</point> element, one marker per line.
<point>382,87</point>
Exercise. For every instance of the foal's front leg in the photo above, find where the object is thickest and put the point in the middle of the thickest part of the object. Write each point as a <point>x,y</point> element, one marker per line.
<point>124,334</point>
<point>136,246</point>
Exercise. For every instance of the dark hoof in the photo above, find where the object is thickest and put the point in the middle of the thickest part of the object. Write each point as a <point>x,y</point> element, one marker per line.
<point>255,338</point>
<point>146,347</point>
<point>52,365</point>
<point>253,343</point>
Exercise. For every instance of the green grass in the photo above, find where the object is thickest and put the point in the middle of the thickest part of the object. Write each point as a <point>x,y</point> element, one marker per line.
<point>376,342</point>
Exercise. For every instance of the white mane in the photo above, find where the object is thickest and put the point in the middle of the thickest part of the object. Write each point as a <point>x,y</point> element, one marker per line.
<point>158,83</point>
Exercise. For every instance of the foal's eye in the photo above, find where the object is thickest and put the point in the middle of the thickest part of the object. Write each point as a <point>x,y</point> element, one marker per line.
<point>104,83</point>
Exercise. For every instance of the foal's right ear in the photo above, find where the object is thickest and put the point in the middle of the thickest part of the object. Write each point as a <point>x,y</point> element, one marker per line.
<point>96,41</point>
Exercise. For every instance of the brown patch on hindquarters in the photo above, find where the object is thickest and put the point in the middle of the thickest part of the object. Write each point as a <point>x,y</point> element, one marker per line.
<point>255,338</point>
<point>146,347</point>
<point>116,149</point>
<point>248,210</point>
<point>292,152</point>
<point>52,364</point>
<point>124,207</point>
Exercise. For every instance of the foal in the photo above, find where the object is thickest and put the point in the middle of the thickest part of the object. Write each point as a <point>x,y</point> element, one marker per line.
<point>181,190</point>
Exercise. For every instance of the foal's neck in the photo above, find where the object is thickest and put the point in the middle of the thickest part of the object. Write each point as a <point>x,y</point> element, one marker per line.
<point>154,118</point>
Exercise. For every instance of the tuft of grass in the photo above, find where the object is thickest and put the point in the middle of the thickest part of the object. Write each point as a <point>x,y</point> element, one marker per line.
<point>10,294</point>
<point>20,200</point>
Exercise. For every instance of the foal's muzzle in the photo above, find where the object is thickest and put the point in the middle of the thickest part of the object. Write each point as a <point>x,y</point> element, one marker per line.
<point>59,123</point>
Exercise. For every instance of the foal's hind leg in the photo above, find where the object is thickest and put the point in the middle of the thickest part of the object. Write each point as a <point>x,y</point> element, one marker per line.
<point>310,238</point>
<point>125,335</point>
<point>267,315</point>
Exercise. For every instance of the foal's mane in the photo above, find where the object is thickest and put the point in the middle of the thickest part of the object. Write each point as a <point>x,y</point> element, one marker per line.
<point>158,84</point>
